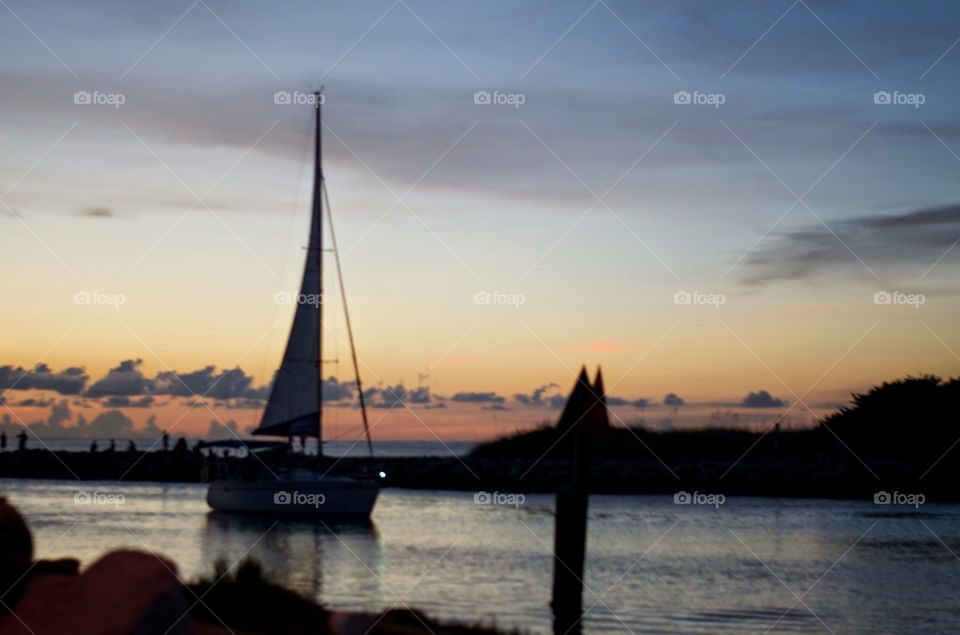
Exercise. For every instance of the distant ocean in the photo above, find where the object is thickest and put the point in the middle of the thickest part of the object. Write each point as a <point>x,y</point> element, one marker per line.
<point>330,448</point>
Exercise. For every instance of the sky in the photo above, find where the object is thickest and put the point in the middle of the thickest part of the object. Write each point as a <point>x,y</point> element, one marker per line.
<point>752,206</point>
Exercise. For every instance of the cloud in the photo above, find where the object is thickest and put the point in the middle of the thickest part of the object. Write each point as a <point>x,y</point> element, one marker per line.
<point>151,431</point>
<point>397,396</point>
<point>535,398</point>
<point>426,111</point>
<point>59,413</point>
<point>221,431</point>
<point>70,381</point>
<point>112,424</point>
<point>227,384</point>
<point>127,380</point>
<point>559,400</point>
<point>618,402</point>
<point>336,390</point>
<point>127,386</point>
<point>478,397</point>
<point>97,212</point>
<point>124,380</point>
<point>419,395</point>
<point>674,400</point>
<point>122,401</point>
<point>918,236</point>
<point>761,399</point>
<point>35,403</point>
<point>53,426</point>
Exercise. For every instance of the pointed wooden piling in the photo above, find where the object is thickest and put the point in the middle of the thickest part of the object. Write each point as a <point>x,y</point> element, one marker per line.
<point>584,416</point>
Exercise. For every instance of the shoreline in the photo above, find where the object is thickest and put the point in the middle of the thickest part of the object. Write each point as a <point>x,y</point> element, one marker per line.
<point>785,478</point>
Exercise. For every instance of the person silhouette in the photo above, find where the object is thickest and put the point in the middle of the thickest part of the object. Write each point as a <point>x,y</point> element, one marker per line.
<point>22,440</point>
<point>3,440</point>
<point>93,446</point>
<point>166,441</point>
<point>131,447</point>
<point>112,446</point>
<point>16,555</point>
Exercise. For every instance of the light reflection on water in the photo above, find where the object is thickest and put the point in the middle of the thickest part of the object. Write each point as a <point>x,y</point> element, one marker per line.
<point>652,566</point>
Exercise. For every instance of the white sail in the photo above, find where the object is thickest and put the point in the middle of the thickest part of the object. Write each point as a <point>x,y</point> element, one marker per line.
<point>292,409</point>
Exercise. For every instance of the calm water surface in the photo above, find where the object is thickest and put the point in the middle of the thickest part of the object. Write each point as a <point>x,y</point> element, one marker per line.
<point>752,565</point>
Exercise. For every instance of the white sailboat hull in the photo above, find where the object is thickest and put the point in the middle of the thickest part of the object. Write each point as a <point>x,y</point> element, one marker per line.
<point>323,497</point>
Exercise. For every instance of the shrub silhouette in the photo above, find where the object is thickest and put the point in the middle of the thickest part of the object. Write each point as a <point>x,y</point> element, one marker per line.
<point>914,418</point>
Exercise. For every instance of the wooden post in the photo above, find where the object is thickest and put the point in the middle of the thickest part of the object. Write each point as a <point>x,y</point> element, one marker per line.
<point>586,413</point>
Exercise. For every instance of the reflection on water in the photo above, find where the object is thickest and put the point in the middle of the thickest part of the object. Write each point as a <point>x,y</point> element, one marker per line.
<point>303,553</point>
<point>753,565</point>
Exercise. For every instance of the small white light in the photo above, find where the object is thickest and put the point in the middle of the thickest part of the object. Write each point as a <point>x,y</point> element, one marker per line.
<point>383,475</point>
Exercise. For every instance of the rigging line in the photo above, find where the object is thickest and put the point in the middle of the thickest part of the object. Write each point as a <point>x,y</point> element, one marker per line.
<point>346,315</point>
<point>298,194</point>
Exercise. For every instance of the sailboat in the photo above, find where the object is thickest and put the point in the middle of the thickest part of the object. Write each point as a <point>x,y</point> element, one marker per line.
<point>294,408</point>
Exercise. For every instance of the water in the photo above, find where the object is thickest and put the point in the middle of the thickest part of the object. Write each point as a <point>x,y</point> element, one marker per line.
<point>753,565</point>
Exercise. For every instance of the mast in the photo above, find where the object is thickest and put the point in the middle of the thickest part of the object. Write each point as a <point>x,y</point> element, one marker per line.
<point>318,220</point>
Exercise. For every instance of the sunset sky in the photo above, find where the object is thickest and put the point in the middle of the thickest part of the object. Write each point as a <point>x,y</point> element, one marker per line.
<point>780,202</point>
